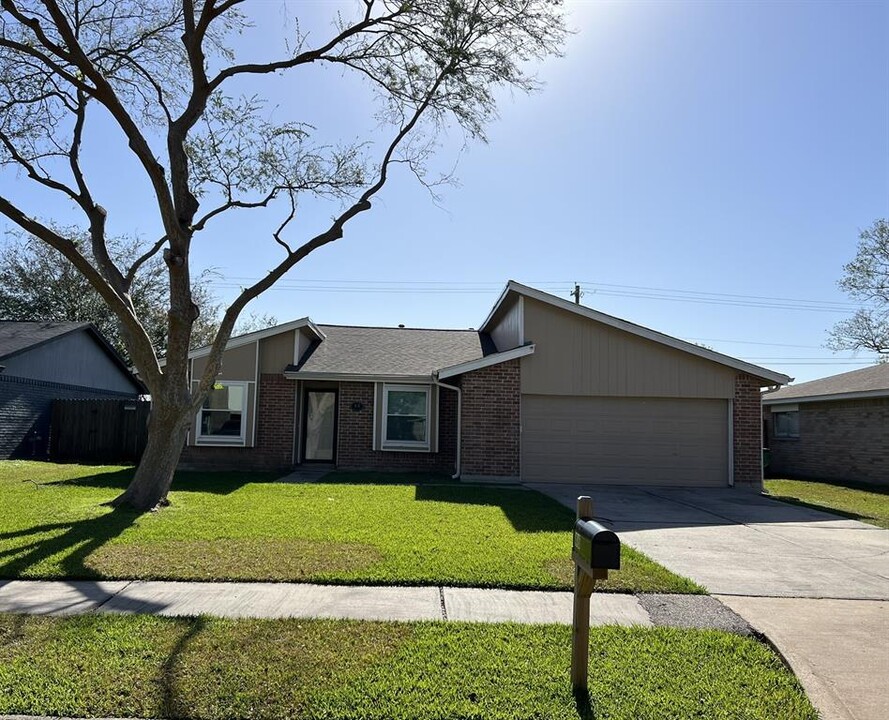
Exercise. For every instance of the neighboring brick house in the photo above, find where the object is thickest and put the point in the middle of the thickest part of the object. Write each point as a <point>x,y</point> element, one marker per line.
<point>45,361</point>
<point>835,428</point>
<point>544,391</point>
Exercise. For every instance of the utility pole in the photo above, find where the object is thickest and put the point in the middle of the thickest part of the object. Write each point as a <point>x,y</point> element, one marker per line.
<point>576,294</point>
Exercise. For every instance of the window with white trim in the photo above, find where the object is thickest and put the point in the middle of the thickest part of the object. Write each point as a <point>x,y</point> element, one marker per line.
<point>223,416</point>
<point>406,417</point>
<point>786,424</point>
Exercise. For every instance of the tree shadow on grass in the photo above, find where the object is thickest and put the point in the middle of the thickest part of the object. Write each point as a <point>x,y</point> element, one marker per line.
<point>74,542</point>
<point>216,483</point>
<point>172,704</point>
<point>528,511</point>
<point>584,705</point>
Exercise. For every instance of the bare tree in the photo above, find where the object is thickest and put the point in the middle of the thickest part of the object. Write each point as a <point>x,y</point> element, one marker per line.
<point>162,71</point>
<point>866,279</point>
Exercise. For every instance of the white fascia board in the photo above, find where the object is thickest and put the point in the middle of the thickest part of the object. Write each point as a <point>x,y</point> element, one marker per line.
<point>357,377</point>
<point>262,334</point>
<point>494,359</point>
<point>863,395</point>
<point>638,330</point>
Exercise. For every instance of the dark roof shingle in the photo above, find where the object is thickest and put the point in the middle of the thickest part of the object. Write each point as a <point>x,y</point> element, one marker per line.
<point>16,336</point>
<point>392,351</point>
<point>869,379</point>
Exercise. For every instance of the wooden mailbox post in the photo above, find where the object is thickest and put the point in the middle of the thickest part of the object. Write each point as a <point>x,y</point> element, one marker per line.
<point>595,551</point>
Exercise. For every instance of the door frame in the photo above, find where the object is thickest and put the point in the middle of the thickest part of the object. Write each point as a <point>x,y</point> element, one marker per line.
<point>305,424</point>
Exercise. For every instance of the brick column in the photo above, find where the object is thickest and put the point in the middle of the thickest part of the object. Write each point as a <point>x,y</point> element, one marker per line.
<point>747,426</point>
<point>490,423</point>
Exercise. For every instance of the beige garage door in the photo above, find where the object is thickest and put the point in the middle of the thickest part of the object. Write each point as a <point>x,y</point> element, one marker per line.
<point>639,441</point>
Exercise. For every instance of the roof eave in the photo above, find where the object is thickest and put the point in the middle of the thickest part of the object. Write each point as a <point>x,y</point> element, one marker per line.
<point>770,399</point>
<point>487,361</point>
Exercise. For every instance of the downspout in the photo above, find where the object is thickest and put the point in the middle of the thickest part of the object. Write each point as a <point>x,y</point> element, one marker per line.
<point>436,381</point>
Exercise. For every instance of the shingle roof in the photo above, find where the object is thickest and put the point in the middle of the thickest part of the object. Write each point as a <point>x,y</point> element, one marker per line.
<point>867,380</point>
<point>16,336</point>
<point>392,351</point>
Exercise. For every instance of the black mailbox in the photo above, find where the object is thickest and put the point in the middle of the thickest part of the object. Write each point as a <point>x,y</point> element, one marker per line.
<point>595,546</point>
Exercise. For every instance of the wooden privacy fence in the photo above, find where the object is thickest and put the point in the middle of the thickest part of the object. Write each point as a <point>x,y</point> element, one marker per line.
<point>107,431</point>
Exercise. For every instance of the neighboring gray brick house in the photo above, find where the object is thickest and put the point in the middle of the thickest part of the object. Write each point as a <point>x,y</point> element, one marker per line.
<point>835,428</point>
<point>544,391</point>
<point>41,362</point>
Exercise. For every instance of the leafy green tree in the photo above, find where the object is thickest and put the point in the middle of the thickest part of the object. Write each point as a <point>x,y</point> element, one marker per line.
<point>39,283</point>
<point>866,279</point>
<point>167,75</point>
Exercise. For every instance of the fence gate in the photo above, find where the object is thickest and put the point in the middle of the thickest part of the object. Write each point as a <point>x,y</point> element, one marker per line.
<point>105,431</point>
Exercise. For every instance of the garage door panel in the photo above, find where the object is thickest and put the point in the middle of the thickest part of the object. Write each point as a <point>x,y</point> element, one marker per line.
<point>658,441</point>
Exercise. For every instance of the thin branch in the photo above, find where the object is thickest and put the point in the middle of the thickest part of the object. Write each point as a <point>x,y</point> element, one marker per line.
<point>141,260</point>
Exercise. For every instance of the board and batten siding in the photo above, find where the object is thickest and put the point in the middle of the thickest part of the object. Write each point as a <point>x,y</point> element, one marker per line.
<point>507,330</point>
<point>578,356</point>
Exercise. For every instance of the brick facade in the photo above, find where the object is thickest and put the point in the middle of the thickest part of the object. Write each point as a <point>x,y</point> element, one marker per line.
<point>838,440</point>
<point>747,426</point>
<point>274,434</point>
<point>491,422</point>
<point>355,435</point>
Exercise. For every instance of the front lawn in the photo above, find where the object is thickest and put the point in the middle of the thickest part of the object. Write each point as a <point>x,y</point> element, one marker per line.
<point>240,526</point>
<point>142,666</point>
<point>868,503</point>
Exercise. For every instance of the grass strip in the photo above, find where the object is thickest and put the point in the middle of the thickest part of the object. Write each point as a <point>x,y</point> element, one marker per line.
<point>242,526</point>
<point>202,668</point>
<point>858,501</point>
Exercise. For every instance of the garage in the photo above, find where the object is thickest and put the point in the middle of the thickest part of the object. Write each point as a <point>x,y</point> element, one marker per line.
<point>625,440</point>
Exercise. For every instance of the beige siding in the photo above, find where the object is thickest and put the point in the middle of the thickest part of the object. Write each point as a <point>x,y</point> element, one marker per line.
<point>507,329</point>
<point>579,356</point>
<point>237,364</point>
<point>304,341</point>
<point>276,353</point>
<point>639,441</point>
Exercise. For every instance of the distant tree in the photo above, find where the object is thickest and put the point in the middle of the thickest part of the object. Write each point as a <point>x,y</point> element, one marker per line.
<point>38,283</point>
<point>866,279</point>
<point>167,77</point>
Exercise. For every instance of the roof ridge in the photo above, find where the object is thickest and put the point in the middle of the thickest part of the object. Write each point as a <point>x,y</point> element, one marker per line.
<point>390,327</point>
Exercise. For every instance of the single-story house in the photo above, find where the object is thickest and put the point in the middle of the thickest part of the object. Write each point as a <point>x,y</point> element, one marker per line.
<point>835,428</point>
<point>45,361</point>
<point>544,391</point>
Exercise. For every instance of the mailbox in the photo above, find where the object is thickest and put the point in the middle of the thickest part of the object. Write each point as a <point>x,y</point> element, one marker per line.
<point>595,546</point>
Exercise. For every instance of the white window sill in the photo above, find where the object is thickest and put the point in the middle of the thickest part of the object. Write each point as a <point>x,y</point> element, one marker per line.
<point>208,442</point>
<point>394,447</point>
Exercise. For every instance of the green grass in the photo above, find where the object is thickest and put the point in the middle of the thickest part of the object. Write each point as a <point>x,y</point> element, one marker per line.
<point>230,526</point>
<point>141,666</point>
<point>868,503</point>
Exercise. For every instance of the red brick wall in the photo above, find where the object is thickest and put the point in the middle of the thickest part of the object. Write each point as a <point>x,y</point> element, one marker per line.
<point>839,440</point>
<point>274,434</point>
<point>491,417</point>
<point>355,435</point>
<point>747,425</point>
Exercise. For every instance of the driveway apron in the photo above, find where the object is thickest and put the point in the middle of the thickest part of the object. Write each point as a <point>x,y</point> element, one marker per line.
<point>815,583</point>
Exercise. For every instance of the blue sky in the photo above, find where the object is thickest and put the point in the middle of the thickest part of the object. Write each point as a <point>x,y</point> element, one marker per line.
<point>687,163</point>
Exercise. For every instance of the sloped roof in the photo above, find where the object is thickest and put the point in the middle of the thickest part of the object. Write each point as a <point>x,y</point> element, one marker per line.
<point>514,289</point>
<point>870,381</point>
<point>382,351</point>
<point>18,336</point>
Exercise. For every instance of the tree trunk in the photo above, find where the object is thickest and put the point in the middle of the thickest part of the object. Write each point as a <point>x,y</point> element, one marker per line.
<point>167,428</point>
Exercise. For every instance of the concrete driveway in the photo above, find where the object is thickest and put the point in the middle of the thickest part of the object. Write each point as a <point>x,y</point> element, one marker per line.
<point>816,584</point>
<point>734,541</point>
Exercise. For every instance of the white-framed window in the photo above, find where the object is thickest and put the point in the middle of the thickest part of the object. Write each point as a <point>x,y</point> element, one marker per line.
<point>222,418</point>
<point>406,417</point>
<point>786,424</point>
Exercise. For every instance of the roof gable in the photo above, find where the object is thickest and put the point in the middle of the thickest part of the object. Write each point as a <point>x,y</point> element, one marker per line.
<point>517,289</point>
<point>20,336</point>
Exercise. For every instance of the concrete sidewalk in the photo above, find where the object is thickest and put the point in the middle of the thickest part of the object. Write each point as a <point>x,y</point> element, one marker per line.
<point>298,600</point>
